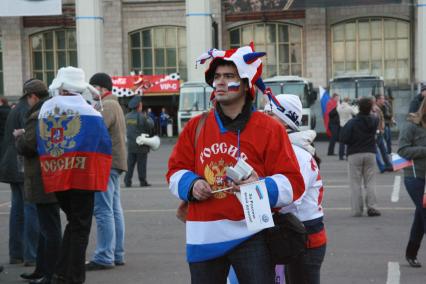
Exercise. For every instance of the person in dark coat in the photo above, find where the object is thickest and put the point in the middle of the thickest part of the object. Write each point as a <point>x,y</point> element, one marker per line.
<point>23,221</point>
<point>359,134</point>
<point>137,123</point>
<point>49,241</point>
<point>412,146</point>
<point>334,126</point>
<point>417,101</point>
<point>4,111</point>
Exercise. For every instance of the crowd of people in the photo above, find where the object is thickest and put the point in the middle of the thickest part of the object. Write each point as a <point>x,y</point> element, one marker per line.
<point>61,152</point>
<point>64,148</point>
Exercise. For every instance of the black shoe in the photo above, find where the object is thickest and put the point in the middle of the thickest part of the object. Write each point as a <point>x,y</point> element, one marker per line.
<point>119,263</point>
<point>128,185</point>
<point>143,184</point>
<point>57,279</point>
<point>31,276</point>
<point>411,254</point>
<point>43,280</point>
<point>1,268</point>
<point>16,260</point>
<point>373,212</point>
<point>413,262</point>
<point>29,263</point>
<point>90,266</point>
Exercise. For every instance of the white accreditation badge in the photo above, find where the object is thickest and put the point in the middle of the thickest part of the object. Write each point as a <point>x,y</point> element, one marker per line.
<point>255,201</point>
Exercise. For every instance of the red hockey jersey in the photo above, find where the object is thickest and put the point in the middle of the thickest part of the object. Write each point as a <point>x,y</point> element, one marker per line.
<point>217,225</point>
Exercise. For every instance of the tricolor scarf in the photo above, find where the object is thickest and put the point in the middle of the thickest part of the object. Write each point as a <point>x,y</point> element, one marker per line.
<point>73,144</point>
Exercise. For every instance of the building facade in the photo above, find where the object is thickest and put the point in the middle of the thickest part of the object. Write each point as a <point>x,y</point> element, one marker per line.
<point>314,39</point>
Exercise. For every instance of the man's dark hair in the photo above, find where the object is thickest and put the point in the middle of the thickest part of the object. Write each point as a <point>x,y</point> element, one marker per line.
<point>36,87</point>
<point>222,62</point>
<point>378,96</point>
<point>365,105</point>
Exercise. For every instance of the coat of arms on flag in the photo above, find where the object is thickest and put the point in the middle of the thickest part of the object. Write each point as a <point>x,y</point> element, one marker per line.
<point>399,162</point>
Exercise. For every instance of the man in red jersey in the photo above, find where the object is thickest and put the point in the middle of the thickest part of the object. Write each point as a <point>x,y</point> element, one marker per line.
<point>217,235</point>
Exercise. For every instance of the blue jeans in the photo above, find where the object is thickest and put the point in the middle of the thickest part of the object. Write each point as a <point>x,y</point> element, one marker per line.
<point>382,157</point>
<point>23,226</point>
<point>250,260</point>
<point>342,151</point>
<point>110,223</point>
<point>306,269</point>
<point>416,188</point>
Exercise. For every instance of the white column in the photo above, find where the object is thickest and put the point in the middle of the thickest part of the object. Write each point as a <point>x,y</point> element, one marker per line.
<point>198,35</point>
<point>11,32</point>
<point>421,41</point>
<point>89,22</point>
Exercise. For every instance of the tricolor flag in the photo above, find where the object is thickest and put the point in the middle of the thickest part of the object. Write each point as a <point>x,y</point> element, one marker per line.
<point>327,105</point>
<point>399,162</point>
<point>73,144</point>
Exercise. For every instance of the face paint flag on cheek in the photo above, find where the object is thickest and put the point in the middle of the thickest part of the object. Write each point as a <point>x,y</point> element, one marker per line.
<point>232,86</point>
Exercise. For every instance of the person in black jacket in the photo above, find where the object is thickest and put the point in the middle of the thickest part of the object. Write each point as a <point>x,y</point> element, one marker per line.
<point>4,111</point>
<point>137,123</point>
<point>49,241</point>
<point>416,102</point>
<point>334,126</point>
<point>23,221</point>
<point>359,134</point>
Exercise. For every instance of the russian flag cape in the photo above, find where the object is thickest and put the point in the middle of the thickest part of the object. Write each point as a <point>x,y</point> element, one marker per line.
<point>73,144</point>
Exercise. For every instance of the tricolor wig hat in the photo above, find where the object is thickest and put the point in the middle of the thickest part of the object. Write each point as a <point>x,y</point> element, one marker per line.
<point>246,60</point>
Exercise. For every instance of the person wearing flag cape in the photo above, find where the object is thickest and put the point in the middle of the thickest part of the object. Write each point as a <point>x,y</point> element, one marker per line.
<point>75,157</point>
<point>216,232</point>
<point>412,146</point>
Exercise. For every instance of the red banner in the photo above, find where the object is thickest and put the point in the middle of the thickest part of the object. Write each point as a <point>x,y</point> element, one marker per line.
<point>145,84</point>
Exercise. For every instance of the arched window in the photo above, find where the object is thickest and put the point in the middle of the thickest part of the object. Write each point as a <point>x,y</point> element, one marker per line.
<point>1,69</point>
<point>159,50</point>
<point>376,46</point>
<point>52,50</point>
<point>281,42</point>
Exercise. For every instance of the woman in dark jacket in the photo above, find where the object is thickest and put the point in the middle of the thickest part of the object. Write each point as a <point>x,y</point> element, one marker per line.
<point>50,236</point>
<point>4,111</point>
<point>359,134</point>
<point>412,146</point>
<point>23,221</point>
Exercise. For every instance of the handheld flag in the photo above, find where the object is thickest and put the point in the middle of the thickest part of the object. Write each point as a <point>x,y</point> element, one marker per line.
<point>327,105</point>
<point>399,162</point>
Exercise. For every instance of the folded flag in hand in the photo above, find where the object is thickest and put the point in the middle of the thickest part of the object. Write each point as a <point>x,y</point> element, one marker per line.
<point>399,162</point>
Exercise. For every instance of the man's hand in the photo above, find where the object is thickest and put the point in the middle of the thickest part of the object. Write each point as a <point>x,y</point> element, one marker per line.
<point>18,132</point>
<point>236,185</point>
<point>201,190</point>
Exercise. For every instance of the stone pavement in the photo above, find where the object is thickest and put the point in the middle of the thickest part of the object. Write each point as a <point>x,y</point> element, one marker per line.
<point>360,250</point>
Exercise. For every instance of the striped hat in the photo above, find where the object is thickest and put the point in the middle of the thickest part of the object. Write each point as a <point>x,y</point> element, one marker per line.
<point>246,60</point>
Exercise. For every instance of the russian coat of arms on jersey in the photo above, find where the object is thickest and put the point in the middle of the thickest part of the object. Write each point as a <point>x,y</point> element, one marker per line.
<point>58,130</point>
<point>215,175</point>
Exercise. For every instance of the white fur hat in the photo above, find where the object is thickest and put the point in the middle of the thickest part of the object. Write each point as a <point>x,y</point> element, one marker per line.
<point>72,79</point>
<point>288,108</point>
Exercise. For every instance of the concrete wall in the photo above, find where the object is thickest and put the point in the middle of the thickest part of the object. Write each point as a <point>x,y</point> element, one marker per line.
<point>315,30</point>
<point>137,17</point>
<point>113,38</point>
<point>13,61</point>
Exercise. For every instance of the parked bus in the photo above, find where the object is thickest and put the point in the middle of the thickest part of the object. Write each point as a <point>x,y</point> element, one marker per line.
<point>194,98</point>
<point>356,86</point>
<point>294,85</point>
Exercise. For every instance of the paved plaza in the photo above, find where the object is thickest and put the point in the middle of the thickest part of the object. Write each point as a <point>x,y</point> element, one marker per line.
<point>360,250</point>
